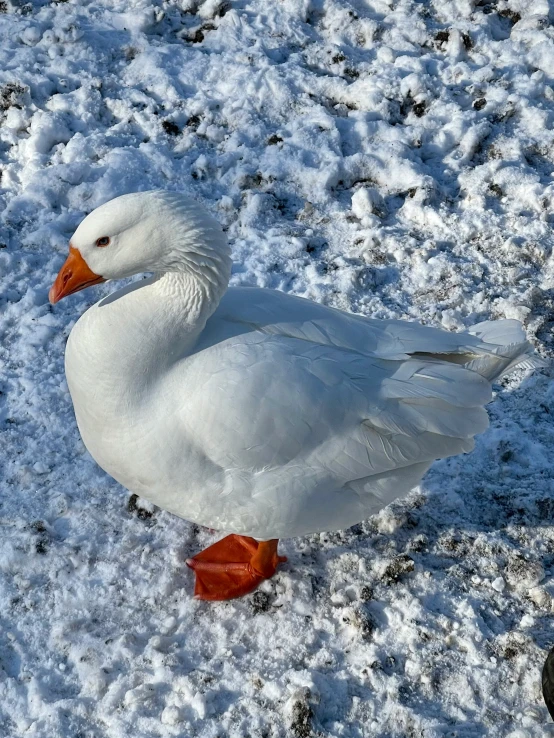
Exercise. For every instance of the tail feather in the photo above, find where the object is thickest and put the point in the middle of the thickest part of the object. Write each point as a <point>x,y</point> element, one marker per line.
<point>499,332</point>
<point>509,348</point>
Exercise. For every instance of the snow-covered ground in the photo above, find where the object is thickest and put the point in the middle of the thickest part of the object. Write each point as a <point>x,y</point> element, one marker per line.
<point>390,157</point>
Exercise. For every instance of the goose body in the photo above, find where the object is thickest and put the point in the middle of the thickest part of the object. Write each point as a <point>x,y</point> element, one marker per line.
<point>251,411</point>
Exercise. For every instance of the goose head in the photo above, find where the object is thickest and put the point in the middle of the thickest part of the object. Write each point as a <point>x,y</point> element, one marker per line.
<point>153,231</point>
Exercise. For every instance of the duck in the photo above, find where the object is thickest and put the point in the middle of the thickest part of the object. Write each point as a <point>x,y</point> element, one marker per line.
<point>251,411</point>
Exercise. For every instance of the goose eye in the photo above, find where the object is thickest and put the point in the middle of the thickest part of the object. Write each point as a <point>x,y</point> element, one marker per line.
<point>104,241</point>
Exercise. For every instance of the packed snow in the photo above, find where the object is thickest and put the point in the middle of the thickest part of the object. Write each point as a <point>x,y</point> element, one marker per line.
<point>389,157</point>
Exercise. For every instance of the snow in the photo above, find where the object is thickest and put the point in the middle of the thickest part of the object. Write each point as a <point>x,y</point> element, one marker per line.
<point>389,157</point>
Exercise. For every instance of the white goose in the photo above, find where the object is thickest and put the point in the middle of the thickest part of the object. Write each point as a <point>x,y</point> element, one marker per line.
<point>249,410</point>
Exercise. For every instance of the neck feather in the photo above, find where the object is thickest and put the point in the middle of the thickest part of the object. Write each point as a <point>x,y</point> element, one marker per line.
<point>195,272</point>
<point>191,293</point>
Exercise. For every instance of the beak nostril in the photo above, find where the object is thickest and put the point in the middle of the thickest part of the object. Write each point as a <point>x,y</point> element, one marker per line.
<point>66,277</point>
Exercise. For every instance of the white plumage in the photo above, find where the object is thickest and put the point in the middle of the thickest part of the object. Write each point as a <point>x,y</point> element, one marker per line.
<point>252,411</point>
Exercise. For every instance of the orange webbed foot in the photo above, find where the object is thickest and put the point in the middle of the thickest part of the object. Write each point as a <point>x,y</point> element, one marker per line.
<point>233,567</point>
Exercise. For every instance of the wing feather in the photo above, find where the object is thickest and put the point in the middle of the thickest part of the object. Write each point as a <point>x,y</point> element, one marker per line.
<point>322,402</point>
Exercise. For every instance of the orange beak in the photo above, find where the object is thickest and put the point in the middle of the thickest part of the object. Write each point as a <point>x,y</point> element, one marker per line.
<point>75,275</point>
